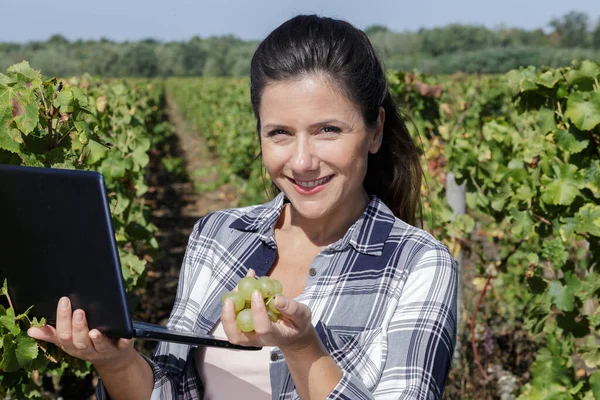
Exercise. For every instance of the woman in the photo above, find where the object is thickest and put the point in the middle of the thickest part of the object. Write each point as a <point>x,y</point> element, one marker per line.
<point>369,301</point>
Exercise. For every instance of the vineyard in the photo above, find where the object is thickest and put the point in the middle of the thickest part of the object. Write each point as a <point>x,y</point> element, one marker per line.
<point>525,146</point>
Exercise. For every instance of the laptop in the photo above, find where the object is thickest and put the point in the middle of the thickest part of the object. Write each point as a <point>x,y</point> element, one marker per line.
<point>58,240</point>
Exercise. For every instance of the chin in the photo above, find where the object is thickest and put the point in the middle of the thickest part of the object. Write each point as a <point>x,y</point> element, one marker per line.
<point>310,209</point>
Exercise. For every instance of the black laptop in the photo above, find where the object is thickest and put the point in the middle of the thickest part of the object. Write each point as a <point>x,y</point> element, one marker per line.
<point>58,240</point>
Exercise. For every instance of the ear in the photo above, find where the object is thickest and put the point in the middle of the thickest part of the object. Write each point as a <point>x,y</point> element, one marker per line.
<point>378,133</point>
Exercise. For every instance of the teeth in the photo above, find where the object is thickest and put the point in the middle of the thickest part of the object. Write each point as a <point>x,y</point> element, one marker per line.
<point>310,184</point>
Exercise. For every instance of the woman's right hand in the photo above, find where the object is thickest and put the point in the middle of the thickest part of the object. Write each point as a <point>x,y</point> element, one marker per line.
<point>73,336</point>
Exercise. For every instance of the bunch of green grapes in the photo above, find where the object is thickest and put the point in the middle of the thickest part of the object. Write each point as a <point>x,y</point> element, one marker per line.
<point>241,299</point>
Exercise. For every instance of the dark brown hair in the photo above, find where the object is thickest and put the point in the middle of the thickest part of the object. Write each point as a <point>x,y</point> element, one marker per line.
<point>309,44</point>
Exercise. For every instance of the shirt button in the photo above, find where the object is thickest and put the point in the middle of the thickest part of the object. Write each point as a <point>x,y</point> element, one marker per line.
<point>274,357</point>
<point>312,272</point>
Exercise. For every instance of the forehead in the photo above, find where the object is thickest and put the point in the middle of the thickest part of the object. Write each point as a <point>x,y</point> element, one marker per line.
<point>313,94</point>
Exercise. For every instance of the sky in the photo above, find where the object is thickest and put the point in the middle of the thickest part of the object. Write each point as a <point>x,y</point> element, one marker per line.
<point>121,20</point>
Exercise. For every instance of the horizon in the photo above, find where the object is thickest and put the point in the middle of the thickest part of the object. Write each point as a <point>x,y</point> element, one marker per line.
<point>153,20</point>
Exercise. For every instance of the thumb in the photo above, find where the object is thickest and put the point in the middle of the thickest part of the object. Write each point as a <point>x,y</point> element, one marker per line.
<point>297,313</point>
<point>46,333</point>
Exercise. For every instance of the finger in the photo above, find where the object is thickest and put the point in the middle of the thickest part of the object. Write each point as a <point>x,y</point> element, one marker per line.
<point>262,323</point>
<point>100,342</point>
<point>46,333</point>
<point>81,332</point>
<point>234,335</point>
<point>299,314</point>
<point>63,322</point>
<point>123,344</point>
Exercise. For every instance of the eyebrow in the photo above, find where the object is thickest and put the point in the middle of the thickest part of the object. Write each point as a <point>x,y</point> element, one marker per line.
<point>315,125</point>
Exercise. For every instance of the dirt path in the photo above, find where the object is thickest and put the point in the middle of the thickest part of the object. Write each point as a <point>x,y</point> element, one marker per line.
<point>176,205</point>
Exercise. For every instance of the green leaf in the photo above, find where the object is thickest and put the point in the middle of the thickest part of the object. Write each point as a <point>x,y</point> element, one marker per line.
<point>8,321</point>
<point>27,115</point>
<point>80,100</point>
<point>27,349</point>
<point>24,73</point>
<point>523,223</point>
<point>545,120</point>
<point>524,193</point>
<point>586,221</point>
<point>96,151</point>
<point>548,368</point>
<point>590,352</point>
<point>595,384</point>
<point>568,142</point>
<point>590,284</point>
<point>119,204</point>
<point>113,168</point>
<point>548,79</point>
<point>563,189</point>
<point>587,71</point>
<point>140,157</point>
<point>592,178</point>
<point>7,137</point>
<point>63,99</point>
<point>9,361</point>
<point>585,114</point>
<point>562,296</point>
<point>527,85</point>
<point>555,251</point>
<point>572,281</point>
<point>132,267</point>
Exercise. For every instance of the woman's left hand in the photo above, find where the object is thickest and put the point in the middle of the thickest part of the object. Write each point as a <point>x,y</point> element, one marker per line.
<point>294,329</point>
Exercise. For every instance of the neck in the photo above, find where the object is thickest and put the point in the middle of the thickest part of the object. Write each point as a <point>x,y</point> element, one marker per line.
<point>327,229</point>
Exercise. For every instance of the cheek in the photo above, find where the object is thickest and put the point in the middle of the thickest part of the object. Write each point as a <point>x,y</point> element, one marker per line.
<point>273,158</point>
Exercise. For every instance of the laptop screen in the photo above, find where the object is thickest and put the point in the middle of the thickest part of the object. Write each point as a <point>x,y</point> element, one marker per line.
<point>60,242</point>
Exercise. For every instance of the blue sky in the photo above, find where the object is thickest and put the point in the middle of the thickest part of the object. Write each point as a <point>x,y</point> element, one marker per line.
<point>120,20</point>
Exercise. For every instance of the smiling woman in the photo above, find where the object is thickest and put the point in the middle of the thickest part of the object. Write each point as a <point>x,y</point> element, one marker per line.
<point>368,309</point>
<point>315,147</point>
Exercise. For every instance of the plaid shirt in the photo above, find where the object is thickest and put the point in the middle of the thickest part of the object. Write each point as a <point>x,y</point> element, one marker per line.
<point>383,301</point>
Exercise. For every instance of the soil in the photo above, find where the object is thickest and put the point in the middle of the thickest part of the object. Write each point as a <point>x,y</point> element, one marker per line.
<point>176,205</point>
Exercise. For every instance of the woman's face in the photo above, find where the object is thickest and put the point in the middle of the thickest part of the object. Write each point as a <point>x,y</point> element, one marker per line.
<point>315,145</point>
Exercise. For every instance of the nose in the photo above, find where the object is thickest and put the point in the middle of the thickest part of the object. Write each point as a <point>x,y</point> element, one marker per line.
<point>303,158</point>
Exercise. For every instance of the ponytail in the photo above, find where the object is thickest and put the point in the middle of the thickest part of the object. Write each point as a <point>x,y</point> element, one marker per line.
<point>394,173</point>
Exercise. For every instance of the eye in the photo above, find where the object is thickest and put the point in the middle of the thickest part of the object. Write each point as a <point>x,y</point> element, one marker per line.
<point>331,129</point>
<point>276,132</point>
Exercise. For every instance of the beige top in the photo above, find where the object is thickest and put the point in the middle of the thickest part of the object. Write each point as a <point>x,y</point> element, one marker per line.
<point>228,374</point>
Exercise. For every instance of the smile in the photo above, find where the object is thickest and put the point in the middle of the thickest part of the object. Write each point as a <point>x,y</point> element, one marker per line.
<point>310,184</point>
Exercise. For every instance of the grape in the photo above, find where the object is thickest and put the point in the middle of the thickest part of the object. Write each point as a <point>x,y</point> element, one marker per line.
<point>237,300</point>
<point>266,287</point>
<point>272,316</point>
<point>271,306</point>
<point>241,299</point>
<point>247,286</point>
<point>245,321</point>
<point>277,286</point>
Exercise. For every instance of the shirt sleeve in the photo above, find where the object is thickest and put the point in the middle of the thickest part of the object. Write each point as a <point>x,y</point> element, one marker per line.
<point>420,337</point>
<point>173,367</point>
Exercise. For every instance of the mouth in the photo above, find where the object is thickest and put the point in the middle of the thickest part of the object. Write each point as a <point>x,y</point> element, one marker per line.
<point>310,185</point>
<point>313,183</point>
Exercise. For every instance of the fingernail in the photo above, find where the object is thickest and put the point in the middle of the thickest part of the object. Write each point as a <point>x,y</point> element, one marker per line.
<point>64,302</point>
<point>257,295</point>
<point>30,331</point>
<point>78,316</point>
